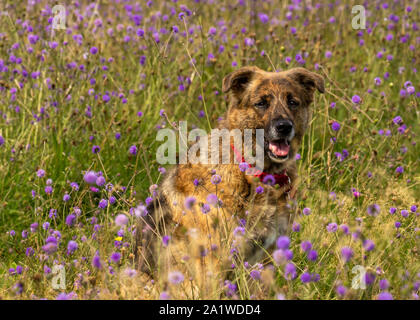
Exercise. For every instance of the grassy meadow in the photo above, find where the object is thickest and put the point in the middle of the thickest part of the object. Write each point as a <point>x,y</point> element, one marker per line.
<point>80,108</point>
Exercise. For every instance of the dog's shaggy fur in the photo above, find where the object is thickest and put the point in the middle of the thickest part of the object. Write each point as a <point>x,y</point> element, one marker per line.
<point>277,102</point>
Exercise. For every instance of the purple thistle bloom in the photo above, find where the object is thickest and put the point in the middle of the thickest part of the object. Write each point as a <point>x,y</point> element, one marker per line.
<point>312,255</point>
<point>346,253</point>
<point>373,210</point>
<point>103,203</point>
<point>356,99</point>
<point>305,277</point>
<point>70,220</point>
<point>121,220</point>
<point>175,277</point>
<point>306,246</point>
<point>341,290</point>
<point>93,50</point>
<point>332,227</point>
<point>90,177</point>
<point>259,190</point>
<point>385,296</point>
<point>215,179</point>
<point>40,173</point>
<point>397,224</point>
<point>48,189</point>
<point>189,203</point>
<point>392,210</point>
<point>283,242</point>
<point>115,257</point>
<point>335,126</point>
<point>255,274</point>
<point>72,246</point>
<point>96,262</point>
<point>212,199</point>
<point>369,245</point>
<point>133,150</point>
<point>205,208</point>
<point>404,213</point>
<point>383,284</point>
<point>66,197</point>
<point>307,211</point>
<point>50,248</point>
<point>399,170</point>
<point>290,271</point>
<point>165,240</point>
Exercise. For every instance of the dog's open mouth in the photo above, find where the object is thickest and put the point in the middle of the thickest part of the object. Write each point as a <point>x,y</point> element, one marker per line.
<point>278,150</point>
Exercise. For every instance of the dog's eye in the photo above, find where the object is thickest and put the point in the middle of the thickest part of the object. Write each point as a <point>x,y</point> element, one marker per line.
<point>292,103</point>
<point>263,104</point>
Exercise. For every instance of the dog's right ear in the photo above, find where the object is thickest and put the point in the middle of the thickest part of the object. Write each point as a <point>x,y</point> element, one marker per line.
<point>237,81</point>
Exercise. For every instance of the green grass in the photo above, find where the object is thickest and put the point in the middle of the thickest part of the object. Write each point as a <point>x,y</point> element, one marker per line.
<point>59,141</point>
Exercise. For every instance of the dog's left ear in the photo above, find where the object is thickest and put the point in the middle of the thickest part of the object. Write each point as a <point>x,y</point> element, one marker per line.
<point>310,80</point>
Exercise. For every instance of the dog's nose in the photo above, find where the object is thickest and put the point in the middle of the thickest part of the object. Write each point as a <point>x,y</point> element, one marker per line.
<point>283,127</point>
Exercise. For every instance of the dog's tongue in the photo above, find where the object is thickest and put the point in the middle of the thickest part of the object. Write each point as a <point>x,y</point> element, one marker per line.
<point>279,148</point>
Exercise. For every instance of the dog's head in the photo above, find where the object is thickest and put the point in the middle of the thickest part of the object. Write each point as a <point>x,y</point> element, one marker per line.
<point>277,102</point>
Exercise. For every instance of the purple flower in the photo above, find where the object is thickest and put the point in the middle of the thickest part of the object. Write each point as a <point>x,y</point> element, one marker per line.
<point>392,210</point>
<point>283,242</point>
<point>332,227</point>
<point>72,246</point>
<point>96,262</point>
<point>290,271</point>
<point>175,277</point>
<point>215,179</point>
<point>373,210</point>
<point>133,150</point>
<point>165,240</point>
<point>50,248</point>
<point>312,255</point>
<point>346,253</point>
<point>90,177</point>
<point>103,204</point>
<point>383,284</point>
<point>306,246</point>
<point>255,274</point>
<point>70,219</point>
<point>121,220</point>
<point>307,211</point>
<point>305,277</point>
<point>115,257</point>
<point>335,126</point>
<point>259,190</point>
<point>341,290</point>
<point>369,245</point>
<point>189,203</point>
<point>93,50</point>
<point>399,170</point>
<point>385,296</point>
<point>356,99</point>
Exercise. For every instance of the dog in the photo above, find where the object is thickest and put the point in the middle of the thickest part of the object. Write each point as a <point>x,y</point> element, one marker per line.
<point>174,233</point>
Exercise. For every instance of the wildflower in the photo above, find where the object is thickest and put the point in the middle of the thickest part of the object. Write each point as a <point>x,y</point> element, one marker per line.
<point>332,227</point>
<point>70,219</point>
<point>307,211</point>
<point>404,213</point>
<point>90,177</point>
<point>369,245</point>
<point>290,271</point>
<point>216,179</point>
<point>346,253</point>
<point>115,257</point>
<point>373,210</point>
<point>100,181</point>
<point>306,246</point>
<point>133,150</point>
<point>341,290</point>
<point>283,242</point>
<point>189,203</point>
<point>385,296</point>
<point>312,255</point>
<point>96,149</point>
<point>72,246</point>
<point>305,277</point>
<point>103,204</point>
<point>255,274</point>
<point>165,240</point>
<point>259,190</point>
<point>383,284</point>
<point>96,262</point>
<point>356,99</point>
<point>175,277</point>
<point>121,220</point>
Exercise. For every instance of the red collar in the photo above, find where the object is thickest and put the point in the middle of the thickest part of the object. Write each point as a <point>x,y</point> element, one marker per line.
<point>280,179</point>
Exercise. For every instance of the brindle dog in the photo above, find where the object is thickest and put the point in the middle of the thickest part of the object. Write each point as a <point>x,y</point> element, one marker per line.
<point>279,103</point>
